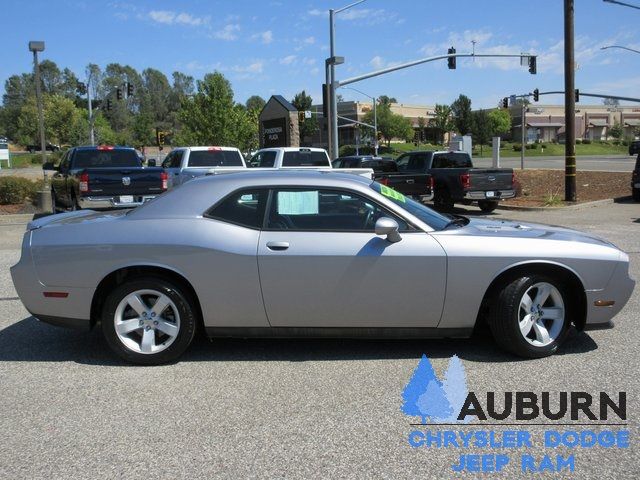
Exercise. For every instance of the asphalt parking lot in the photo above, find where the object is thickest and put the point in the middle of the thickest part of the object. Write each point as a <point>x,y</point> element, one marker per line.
<point>281,408</point>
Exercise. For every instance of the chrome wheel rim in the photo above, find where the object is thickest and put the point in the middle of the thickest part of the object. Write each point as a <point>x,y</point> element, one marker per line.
<point>147,321</point>
<point>541,314</point>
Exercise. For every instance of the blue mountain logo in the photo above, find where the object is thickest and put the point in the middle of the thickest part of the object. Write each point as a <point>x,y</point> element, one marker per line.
<point>432,400</point>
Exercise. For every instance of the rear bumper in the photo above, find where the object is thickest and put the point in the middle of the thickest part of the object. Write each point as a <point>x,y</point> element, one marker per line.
<point>482,195</point>
<point>96,202</point>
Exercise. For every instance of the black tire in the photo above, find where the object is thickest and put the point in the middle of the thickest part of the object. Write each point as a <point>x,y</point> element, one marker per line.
<point>504,317</point>
<point>74,204</point>
<point>183,303</point>
<point>636,194</point>
<point>487,206</point>
<point>442,200</point>
<point>54,202</point>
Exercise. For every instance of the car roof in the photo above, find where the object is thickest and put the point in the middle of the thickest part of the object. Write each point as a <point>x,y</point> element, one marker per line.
<point>206,148</point>
<point>293,149</point>
<point>96,147</point>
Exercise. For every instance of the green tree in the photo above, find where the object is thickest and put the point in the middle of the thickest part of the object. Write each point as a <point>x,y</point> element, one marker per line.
<point>616,131</point>
<point>422,124</point>
<point>499,122</point>
<point>255,102</point>
<point>154,97</point>
<point>61,118</point>
<point>461,110</point>
<point>143,130</point>
<point>390,125</point>
<point>303,102</point>
<point>442,121</point>
<point>481,128</point>
<point>17,88</point>
<point>386,100</point>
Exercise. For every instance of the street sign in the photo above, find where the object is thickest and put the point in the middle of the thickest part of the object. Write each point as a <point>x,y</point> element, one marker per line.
<point>307,114</point>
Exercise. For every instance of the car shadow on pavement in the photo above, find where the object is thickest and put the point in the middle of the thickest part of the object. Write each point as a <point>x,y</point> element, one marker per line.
<point>31,341</point>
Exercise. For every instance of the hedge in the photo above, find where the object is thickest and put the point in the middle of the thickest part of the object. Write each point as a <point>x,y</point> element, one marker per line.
<point>15,190</point>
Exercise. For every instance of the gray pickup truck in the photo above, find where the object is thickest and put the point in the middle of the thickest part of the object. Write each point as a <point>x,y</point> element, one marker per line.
<point>455,179</point>
<point>186,163</point>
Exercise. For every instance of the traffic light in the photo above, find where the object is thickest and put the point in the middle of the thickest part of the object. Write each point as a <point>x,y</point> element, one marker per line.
<point>301,116</point>
<point>533,68</point>
<point>451,61</point>
<point>505,102</point>
<point>118,93</point>
<point>536,95</point>
<point>577,95</point>
<point>129,89</point>
<point>108,104</point>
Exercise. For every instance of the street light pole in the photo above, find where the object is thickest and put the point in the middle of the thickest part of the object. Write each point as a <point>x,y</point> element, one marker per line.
<point>91,133</point>
<point>36,47</point>
<point>375,117</point>
<point>523,126</point>
<point>328,109</point>
<point>620,46</point>
<point>569,105</point>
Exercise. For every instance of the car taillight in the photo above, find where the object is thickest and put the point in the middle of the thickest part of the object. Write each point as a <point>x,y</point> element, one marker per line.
<point>465,180</point>
<point>165,179</point>
<point>105,147</point>
<point>84,182</point>
<point>384,181</point>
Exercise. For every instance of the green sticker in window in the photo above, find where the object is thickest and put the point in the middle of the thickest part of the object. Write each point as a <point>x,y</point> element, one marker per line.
<point>391,193</point>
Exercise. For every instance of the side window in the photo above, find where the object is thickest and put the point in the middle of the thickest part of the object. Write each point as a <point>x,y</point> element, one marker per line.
<point>403,162</point>
<point>440,161</point>
<point>417,162</point>
<point>460,160</point>
<point>324,210</point>
<point>166,163</point>
<point>176,159</point>
<point>264,160</point>
<point>64,163</point>
<point>243,207</point>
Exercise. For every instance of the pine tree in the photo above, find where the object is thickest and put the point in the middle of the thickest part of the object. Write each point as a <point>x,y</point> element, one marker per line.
<point>455,386</point>
<point>417,385</point>
<point>433,403</point>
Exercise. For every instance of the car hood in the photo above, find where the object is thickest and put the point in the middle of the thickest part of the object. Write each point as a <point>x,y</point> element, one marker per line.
<point>79,216</point>
<point>517,229</point>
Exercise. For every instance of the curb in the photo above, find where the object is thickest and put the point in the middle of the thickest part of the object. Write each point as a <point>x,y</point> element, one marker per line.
<point>15,218</point>
<point>577,206</point>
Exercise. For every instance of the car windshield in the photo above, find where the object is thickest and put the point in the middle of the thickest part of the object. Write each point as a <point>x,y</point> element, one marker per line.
<point>422,212</point>
<point>105,158</point>
<point>215,158</point>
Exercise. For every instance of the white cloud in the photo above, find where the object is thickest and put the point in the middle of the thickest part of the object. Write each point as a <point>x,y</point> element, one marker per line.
<point>229,32</point>
<point>309,40</point>
<point>267,37</point>
<point>288,60</point>
<point>168,17</point>
<point>364,16</point>
<point>378,62</point>
<point>254,67</point>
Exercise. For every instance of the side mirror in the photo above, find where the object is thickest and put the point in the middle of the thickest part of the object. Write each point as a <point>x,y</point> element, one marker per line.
<point>151,162</point>
<point>389,227</point>
<point>49,166</point>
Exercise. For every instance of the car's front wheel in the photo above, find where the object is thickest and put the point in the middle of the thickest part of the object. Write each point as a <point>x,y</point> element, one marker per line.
<point>149,320</point>
<point>530,316</point>
<point>487,206</point>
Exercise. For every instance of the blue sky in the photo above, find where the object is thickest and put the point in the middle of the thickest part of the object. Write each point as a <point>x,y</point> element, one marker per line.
<point>278,47</point>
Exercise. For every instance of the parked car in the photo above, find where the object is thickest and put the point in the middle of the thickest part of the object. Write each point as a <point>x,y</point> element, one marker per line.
<point>635,181</point>
<point>103,177</point>
<point>296,253</point>
<point>634,147</point>
<point>299,158</point>
<point>187,163</point>
<point>457,181</point>
<point>418,186</point>
<point>49,147</point>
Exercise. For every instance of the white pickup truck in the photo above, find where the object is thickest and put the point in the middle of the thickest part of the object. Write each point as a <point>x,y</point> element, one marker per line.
<point>300,158</point>
<point>185,163</point>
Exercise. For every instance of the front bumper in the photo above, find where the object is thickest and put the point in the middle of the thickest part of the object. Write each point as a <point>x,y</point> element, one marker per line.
<point>96,202</point>
<point>489,195</point>
<point>618,290</point>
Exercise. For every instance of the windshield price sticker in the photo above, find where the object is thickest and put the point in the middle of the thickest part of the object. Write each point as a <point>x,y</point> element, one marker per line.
<point>391,193</point>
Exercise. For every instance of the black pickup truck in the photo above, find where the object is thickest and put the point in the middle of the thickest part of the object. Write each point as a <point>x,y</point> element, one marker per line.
<point>456,181</point>
<point>103,177</point>
<point>385,171</point>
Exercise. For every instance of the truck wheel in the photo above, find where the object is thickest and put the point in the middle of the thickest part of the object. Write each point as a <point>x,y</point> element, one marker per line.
<point>442,200</point>
<point>636,194</point>
<point>531,316</point>
<point>487,206</point>
<point>149,321</point>
<point>54,202</point>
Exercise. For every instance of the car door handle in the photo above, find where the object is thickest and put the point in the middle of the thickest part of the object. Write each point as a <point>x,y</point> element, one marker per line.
<point>277,245</point>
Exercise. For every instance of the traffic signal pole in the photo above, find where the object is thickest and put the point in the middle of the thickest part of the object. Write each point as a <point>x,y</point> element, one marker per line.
<point>569,105</point>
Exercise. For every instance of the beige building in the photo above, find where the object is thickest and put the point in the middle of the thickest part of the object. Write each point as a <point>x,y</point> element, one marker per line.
<point>546,122</point>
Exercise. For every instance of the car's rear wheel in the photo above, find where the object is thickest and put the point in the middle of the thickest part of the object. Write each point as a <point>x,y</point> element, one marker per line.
<point>54,202</point>
<point>442,200</point>
<point>530,316</point>
<point>487,206</point>
<point>149,320</point>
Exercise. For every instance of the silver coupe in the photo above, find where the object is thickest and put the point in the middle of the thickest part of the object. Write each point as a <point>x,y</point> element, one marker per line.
<point>309,253</point>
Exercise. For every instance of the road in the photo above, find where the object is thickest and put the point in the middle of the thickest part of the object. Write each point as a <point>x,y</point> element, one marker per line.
<point>612,163</point>
<point>283,408</point>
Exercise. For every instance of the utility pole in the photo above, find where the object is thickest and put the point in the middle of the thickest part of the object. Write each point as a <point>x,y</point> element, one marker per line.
<point>523,126</point>
<point>569,105</point>
<point>36,47</point>
<point>332,89</point>
<point>327,108</point>
<point>91,133</point>
<point>375,127</point>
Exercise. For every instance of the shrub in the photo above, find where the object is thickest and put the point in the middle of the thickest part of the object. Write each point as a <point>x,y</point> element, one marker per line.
<point>578,141</point>
<point>586,141</point>
<point>17,190</point>
<point>517,147</point>
<point>625,143</point>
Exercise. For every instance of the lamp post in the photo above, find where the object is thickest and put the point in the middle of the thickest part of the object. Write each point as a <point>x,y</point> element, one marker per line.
<point>620,46</point>
<point>35,47</point>
<point>333,85</point>
<point>375,118</point>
